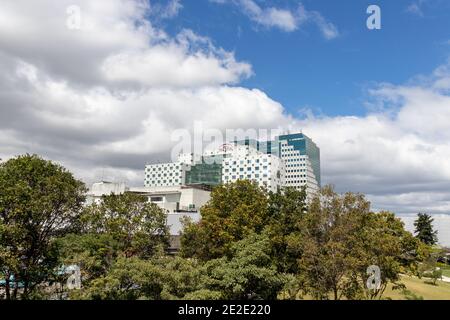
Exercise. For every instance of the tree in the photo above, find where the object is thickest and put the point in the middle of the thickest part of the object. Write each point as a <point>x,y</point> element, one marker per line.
<point>39,201</point>
<point>161,277</point>
<point>137,225</point>
<point>95,254</point>
<point>424,229</point>
<point>286,209</point>
<point>234,211</point>
<point>128,279</point>
<point>341,238</point>
<point>248,274</point>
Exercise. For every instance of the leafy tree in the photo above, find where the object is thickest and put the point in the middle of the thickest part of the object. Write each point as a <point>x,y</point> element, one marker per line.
<point>93,253</point>
<point>248,274</point>
<point>128,279</point>
<point>39,201</point>
<point>160,278</point>
<point>341,238</point>
<point>424,229</point>
<point>387,245</point>
<point>138,226</point>
<point>286,210</point>
<point>234,211</point>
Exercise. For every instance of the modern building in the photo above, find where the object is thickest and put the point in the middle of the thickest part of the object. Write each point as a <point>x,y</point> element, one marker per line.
<point>229,163</point>
<point>301,158</point>
<point>290,160</point>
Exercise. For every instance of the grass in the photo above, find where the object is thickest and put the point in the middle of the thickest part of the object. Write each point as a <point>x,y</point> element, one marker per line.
<point>419,289</point>
<point>445,269</point>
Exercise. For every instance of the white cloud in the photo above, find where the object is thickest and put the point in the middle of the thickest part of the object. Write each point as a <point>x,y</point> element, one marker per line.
<point>171,9</point>
<point>284,19</point>
<point>415,8</point>
<point>397,155</point>
<point>104,100</point>
<point>115,40</point>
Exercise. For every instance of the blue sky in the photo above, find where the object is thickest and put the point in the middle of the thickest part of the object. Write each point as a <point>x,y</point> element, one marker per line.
<point>302,69</point>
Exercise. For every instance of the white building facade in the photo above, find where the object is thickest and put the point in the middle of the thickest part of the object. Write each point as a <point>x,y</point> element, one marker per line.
<point>235,162</point>
<point>265,169</point>
<point>299,171</point>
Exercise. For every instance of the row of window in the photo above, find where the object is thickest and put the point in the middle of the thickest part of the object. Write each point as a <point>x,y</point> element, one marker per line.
<point>293,159</point>
<point>296,170</point>
<point>248,161</point>
<point>296,182</point>
<point>163,182</point>
<point>162,167</point>
<point>248,176</point>
<point>294,165</point>
<point>170,174</point>
<point>242,169</point>
<point>297,176</point>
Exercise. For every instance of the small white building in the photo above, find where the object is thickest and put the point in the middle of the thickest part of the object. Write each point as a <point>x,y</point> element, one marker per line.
<point>176,201</point>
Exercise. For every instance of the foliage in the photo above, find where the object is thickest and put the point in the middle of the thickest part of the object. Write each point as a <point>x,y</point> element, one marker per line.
<point>286,210</point>
<point>234,211</point>
<point>248,274</point>
<point>424,229</point>
<point>93,253</point>
<point>39,201</point>
<point>429,268</point>
<point>138,226</point>
<point>158,278</point>
<point>341,238</point>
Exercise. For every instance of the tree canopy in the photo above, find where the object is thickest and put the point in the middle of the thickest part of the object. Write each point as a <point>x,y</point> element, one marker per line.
<point>39,201</point>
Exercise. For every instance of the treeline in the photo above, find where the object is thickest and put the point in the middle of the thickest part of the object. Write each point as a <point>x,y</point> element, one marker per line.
<point>249,244</point>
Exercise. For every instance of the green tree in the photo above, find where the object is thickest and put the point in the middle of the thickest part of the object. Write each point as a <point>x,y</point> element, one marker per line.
<point>341,238</point>
<point>248,274</point>
<point>286,210</point>
<point>424,229</point>
<point>128,279</point>
<point>234,211</point>
<point>160,278</point>
<point>137,225</point>
<point>93,253</point>
<point>39,201</point>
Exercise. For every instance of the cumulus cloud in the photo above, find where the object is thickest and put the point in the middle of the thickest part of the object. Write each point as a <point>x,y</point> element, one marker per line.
<point>397,154</point>
<point>284,19</point>
<point>106,97</point>
<point>115,45</point>
<point>104,100</point>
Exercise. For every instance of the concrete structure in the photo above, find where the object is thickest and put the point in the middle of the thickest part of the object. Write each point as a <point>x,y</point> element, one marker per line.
<point>178,202</point>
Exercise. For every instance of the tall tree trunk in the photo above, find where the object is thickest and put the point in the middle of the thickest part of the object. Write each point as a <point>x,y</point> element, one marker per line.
<point>16,288</point>
<point>335,291</point>
<point>25,291</point>
<point>7,288</point>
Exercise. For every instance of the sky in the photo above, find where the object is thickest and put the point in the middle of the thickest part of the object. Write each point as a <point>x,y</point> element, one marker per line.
<point>101,86</point>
